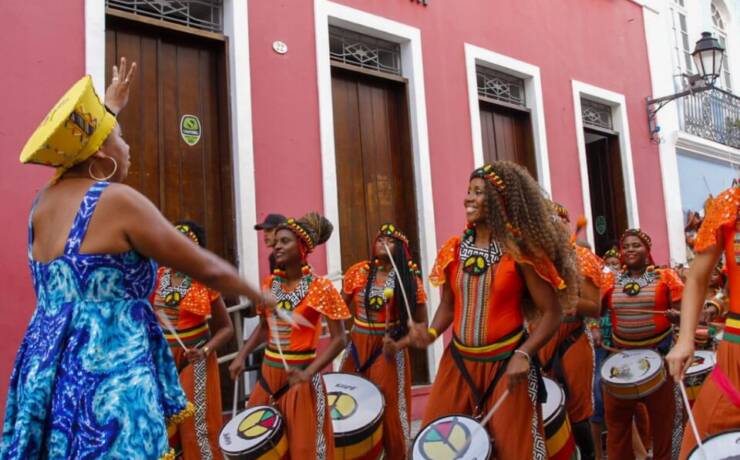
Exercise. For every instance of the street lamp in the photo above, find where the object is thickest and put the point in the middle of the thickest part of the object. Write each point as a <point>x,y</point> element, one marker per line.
<point>708,58</point>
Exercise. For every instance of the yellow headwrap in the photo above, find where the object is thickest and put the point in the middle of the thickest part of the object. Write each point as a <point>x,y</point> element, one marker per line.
<point>74,129</point>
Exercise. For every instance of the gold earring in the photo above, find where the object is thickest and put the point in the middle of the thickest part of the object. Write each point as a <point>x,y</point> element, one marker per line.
<point>103,179</point>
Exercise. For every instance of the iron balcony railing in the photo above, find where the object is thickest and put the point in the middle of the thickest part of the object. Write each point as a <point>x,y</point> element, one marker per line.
<point>713,114</point>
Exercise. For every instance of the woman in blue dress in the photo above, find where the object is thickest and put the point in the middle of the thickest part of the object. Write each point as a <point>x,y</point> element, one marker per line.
<point>94,377</point>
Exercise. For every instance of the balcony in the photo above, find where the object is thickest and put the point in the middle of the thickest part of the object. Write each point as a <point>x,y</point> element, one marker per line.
<point>713,115</point>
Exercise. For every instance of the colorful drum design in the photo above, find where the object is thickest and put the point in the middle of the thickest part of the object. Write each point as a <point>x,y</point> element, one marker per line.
<point>559,438</point>
<point>721,446</point>
<point>258,433</point>
<point>633,374</point>
<point>356,406</point>
<point>704,361</point>
<point>452,437</point>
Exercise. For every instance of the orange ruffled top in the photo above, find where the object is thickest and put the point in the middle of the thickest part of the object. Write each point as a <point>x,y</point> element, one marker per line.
<point>354,283</point>
<point>720,226</point>
<point>590,265</point>
<point>194,307</point>
<point>322,299</point>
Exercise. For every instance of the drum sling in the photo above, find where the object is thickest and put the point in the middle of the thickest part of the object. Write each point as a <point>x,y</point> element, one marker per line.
<point>265,386</point>
<point>555,363</point>
<point>370,360</point>
<point>480,399</point>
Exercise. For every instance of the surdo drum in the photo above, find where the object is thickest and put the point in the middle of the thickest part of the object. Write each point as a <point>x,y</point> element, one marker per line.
<point>633,374</point>
<point>559,437</point>
<point>453,437</point>
<point>721,446</point>
<point>356,407</point>
<point>258,433</point>
<point>702,365</point>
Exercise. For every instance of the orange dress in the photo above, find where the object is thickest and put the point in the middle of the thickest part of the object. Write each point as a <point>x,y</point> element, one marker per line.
<point>632,330</point>
<point>197,437</point>
<point>488,325</point>
<point>717,407</point>
<point>568,356</point>
<point>303,406</point>
<point>392,376</point>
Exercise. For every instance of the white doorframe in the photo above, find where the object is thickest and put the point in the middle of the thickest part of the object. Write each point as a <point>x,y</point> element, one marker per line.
<point>621,124</point>
<point>475,56</point>
<point>409,38</point>
<point>236,29</point>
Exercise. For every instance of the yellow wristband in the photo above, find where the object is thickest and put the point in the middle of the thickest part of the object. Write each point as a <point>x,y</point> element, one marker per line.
<point>433,332</point>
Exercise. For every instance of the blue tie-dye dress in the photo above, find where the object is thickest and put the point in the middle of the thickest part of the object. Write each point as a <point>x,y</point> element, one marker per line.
<point>94,377</point>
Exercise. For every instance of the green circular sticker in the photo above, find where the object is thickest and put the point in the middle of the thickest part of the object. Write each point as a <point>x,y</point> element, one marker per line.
<point>600,224</point>
<point>190,129</point>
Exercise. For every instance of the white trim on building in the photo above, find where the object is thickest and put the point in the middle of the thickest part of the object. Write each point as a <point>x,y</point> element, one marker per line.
<point>409,38</point>
<point>621,124</point>
<point>476,56</point>
<point>240,110</point>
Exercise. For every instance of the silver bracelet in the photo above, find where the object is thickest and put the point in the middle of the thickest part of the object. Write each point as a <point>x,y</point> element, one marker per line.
<point>526,355</point>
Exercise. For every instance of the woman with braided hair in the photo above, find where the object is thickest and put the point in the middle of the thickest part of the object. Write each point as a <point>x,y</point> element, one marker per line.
<point>630,296</point>
<point>512,251</point>
<point>298,392</point>
<point>372,289</point>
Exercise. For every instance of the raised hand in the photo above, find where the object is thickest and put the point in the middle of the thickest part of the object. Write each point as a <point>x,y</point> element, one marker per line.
<point>117,93</point>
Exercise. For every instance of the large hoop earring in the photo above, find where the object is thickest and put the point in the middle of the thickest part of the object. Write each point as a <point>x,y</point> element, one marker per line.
<point>103,179</point>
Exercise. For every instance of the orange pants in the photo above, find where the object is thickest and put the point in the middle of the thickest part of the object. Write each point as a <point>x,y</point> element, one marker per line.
<point>199,433</point>
<point>713,410</point>
<point>392,376</point>
<point>577,369</point>
<point>298,406</point>
<point>511,425</point>
<point>661,409</point>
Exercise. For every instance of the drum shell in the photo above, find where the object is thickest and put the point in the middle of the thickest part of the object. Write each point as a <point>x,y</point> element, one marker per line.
<point>274,447</point>
<point>633,390</point>
<point>726,443</point>
<point>559,438</point>
<point>366,442</point>
<point>480,432</point>
<point>694,380</point>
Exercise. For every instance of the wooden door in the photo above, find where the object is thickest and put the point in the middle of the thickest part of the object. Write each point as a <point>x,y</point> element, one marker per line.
<point>375,171</point>
<point>507,135</point>
<point>606,185</point>
<point>178,75</point>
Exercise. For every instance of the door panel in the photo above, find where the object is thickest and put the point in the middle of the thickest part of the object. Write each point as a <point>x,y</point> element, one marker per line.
<point>507,135</point>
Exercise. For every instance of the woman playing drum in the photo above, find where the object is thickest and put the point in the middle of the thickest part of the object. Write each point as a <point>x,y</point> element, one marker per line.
<point>639,301</point>
<point>511,250</point>
<point>717,408</point>
<point>373,292</point>
<point>299,392</point>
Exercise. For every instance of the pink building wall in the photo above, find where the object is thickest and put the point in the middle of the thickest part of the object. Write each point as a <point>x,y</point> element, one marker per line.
<point>600,43</point>
<point>42,45</point>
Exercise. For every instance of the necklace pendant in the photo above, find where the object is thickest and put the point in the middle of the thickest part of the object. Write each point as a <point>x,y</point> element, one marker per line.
<point>475,265</point>
<point>285,305</point>
<point>632,288</point>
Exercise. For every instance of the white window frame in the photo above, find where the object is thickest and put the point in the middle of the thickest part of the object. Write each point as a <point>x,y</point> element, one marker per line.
<point>409,38</point>
<point>621,125</point>
<point>725,80</point>
<point>476,56</point>
<point>678,45</point>
<point>236,28</point>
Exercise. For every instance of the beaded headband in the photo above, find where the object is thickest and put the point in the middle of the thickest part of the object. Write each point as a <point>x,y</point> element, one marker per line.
<point>561,211</point>
<point>293,225</point>
<point>393,231</point>
<point>187,231</point>
<point>486,172</point>
<point>613,252</point>
<point>644,237</point>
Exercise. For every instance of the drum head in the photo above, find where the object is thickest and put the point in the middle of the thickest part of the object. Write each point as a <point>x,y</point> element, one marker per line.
<point>630,367</point>
<point>355,403</point>
<point>250,430</point>
<point>721,446</point>
<point>449,438</point>
<point>704,360</point>
<point>555,399</point>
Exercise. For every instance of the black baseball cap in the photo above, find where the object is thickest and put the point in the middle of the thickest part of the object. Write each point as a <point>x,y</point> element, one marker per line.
<point>271,221</point>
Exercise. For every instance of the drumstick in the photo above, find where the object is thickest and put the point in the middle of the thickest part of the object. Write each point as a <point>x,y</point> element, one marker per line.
<point>485,420</point>
<point>236,395</point>
<point>168,324</point>
<point>691,419</point>
<point>273,327</point>
<point>398,276</point>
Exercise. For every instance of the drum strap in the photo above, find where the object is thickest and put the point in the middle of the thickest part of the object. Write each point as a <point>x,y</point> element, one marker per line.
<point>276,395</point>
<point>480,399</point>
<point>556,361</point>
<point>361,368</point>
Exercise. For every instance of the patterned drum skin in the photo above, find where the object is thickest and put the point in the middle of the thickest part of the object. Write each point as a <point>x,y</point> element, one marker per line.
<point>452,437</point>
<point>559,437</point>
<point>356,407</point>
<point>258,433</point>
<point>721,446</point>
<point>704,361</point>
<point>633,374</point>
